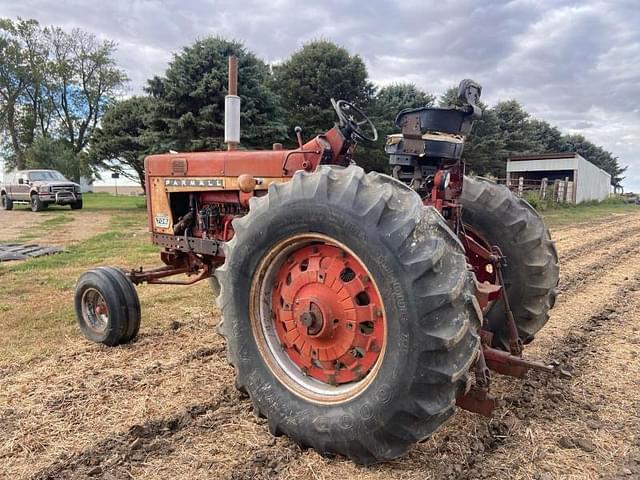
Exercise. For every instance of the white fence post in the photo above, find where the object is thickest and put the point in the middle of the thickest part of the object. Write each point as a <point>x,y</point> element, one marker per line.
<point>520,186</point>
<point>543,189</point>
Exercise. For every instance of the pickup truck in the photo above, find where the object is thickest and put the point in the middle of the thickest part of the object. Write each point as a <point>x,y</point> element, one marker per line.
<point>39,189</point>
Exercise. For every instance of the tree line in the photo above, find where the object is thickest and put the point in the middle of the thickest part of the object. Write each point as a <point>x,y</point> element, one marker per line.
<point>55,87</point>
<point>60,106</point>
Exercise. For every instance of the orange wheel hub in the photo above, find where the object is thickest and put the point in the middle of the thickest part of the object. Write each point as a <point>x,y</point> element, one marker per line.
<point>328,315</point>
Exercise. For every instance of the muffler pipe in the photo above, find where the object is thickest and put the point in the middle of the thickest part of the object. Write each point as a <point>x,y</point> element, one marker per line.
<point>232,107</point>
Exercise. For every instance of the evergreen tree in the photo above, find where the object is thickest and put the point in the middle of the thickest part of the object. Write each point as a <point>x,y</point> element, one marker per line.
<point>307,81</point>
<point>189,99</point>
<point>547,136</point>
<point>596,155</point>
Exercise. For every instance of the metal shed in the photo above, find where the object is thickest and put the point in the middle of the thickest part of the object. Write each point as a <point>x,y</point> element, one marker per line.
<point>579,179</point>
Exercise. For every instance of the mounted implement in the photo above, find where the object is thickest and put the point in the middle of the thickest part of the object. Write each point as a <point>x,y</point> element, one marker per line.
<point>358,308</point>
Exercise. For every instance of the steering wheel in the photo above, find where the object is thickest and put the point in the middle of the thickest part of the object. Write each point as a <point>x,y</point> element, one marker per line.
<point>355,120</point>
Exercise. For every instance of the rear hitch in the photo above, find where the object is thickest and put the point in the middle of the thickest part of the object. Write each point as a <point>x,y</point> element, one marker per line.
<point>500,261</point>
<point>507,364</point>
<point>478,399</point>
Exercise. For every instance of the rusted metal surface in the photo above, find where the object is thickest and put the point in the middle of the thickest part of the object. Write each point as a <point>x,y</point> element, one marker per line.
<point>233,90</point>
<point>199,245</point>
<point>479,255</point>
<point>177,263</point>
<point>486,293</point>
<point>233,75</point>
<point>477,400</point>
<point>511,365</point>
<point>328,315</point>
<point>515,343</point>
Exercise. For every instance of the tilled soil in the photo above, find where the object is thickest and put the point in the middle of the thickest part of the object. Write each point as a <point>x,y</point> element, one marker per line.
<point>165,406</point>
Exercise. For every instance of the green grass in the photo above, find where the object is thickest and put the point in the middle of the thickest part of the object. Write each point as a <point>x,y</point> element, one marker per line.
<point>48,225</point>
<point>586,212</point>
<point>55,222</point>
<point>37,295</point>
<point>106,201</point>
<point>92,251</point>
<point>123,241</point>
<point>100,202</point>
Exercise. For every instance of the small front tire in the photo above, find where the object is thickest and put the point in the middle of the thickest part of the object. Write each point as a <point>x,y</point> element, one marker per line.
<point>107,306</point>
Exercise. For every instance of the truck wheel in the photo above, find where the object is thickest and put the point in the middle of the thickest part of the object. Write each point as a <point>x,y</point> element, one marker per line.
<point>348,313</point>
<point>37,205</point>
<point>76,205</point>
<point>531,275</point>
<point>7,203</point>
<point>107,310</point>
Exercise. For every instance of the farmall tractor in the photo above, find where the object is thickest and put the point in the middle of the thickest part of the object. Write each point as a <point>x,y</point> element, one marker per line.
<point>358,308</point>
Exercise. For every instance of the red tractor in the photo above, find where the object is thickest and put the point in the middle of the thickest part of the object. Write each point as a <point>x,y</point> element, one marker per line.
<point>358,308</point>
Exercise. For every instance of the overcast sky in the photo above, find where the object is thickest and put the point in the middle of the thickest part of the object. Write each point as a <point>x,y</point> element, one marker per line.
<point>574,64</point>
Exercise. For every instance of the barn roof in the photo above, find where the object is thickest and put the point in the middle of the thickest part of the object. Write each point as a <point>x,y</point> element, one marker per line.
<point>544,156</point>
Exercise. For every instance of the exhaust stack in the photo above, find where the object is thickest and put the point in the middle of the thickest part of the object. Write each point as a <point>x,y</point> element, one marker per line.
<point>232,107</point>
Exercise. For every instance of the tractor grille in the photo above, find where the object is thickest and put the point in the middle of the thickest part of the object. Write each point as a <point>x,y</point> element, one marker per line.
<point>179,166</point>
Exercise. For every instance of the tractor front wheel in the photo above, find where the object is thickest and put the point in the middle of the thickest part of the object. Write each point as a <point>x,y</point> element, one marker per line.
<point>107,306</point>
<point>348,313</point>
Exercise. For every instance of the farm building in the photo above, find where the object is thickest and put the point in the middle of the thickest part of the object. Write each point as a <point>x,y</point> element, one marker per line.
<point>564,177</point>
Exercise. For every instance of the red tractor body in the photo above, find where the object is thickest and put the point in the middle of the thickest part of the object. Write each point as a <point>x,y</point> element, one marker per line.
<point>288,234</point>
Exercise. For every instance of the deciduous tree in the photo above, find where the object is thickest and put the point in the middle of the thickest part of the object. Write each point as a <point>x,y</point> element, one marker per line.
<point>122,140</point>
<point>54,85</point>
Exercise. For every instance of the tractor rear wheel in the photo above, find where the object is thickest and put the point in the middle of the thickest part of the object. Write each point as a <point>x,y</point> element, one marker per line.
<point>496,216</point>
<point>348,313</point>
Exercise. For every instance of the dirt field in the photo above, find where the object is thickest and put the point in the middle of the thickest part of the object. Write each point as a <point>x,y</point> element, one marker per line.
<point>165,406</point>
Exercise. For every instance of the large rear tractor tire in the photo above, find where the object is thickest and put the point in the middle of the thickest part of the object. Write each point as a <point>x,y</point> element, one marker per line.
<point>501,218</point>
<point>348,312</point>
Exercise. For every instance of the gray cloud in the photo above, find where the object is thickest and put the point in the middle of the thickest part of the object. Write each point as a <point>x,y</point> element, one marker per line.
<point>574,64</point>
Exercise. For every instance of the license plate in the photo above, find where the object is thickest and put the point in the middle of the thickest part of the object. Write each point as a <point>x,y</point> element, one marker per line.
<point>161,220</point>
